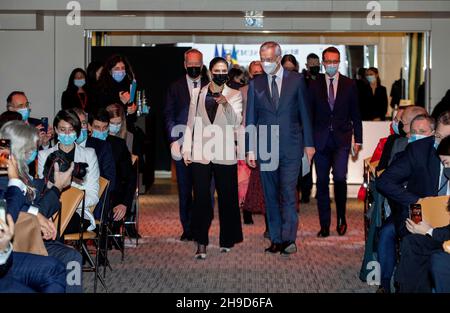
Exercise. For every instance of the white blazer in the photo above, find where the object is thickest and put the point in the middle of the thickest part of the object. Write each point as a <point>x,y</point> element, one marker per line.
<point>90,183</point>
<point>204,142</point>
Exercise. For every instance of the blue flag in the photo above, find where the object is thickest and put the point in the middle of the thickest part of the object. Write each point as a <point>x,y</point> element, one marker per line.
<point>216,52</point>
<point>224,54</point>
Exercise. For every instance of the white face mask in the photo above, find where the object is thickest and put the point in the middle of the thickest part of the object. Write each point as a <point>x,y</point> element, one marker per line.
<point>269,67</point>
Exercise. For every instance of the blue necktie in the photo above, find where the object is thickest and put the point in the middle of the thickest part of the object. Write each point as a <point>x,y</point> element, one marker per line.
<point>331,94</point>
<point>275,94</point>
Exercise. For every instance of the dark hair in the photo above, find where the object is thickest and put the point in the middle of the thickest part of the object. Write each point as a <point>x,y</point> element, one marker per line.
<point>91,71</point>
<point>234,72</point>
<point>70,85</point>
<point>217,60</point>
<point>312,56</point>
<point>290,58</point>
<point>444,146</point>
<point>330,50</point>
<point>9,116</point>
<point>11,95</point>
<point>106,80</point>
<point>375,70</point>
<point>100,115</point>
<point>443,119</point>
<point>70,117</point>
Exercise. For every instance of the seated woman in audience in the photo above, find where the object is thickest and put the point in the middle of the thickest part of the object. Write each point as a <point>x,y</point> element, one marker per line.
<point>123,192</point>
<point>75,95</point>
<point>68,128</point>
<point>218,105</point>
<point>35,196</point>
<point>114,86</point>
<point>118,125</point>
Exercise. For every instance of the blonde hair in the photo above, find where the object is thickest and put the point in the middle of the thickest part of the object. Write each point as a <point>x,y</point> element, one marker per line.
<point>24,140</point>
<point>116,110</point>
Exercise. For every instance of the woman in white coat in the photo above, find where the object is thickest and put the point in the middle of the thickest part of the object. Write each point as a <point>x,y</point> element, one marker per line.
<point>209,147</point>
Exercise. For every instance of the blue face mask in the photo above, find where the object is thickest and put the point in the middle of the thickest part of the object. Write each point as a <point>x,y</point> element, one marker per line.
<point>79,82</point>
<point>25,112</point>
<point>100,135</point>
<point>118,75</point>
<point>83,136</point>
<point>331,70</point>
<point>114,128</point>
<point>67,140</point>
<point>416,137</point>
<point>395,127</point>
<point>371,78</point>
<point>32,157</point>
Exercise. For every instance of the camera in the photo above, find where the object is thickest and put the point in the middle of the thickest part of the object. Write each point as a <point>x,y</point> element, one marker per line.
<point>79,170</point>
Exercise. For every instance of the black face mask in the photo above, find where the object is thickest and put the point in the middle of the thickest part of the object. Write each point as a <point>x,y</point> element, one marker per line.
<point>314,70</point>
<point>194,71</point>
<point>220,79</point>
<point>400,129</point>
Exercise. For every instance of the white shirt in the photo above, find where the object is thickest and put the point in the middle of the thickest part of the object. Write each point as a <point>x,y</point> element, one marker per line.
<point>278,80</point>
<point>190,83</point>
<point>335,83</point>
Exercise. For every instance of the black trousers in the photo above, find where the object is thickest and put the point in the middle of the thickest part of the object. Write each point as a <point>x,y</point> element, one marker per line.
<point>225,177</point>
<point>413,272</point>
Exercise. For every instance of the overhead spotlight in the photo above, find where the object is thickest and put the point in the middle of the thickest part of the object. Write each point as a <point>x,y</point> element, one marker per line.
<point>254,19</point>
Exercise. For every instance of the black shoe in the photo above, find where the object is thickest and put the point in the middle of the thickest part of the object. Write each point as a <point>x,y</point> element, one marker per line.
<point>304,200</point>
<point>201,252</point>
<point>341,228</point>
<point>248,220</point>
<point>186,237</point>
<point>266,234</point>
<point>274,248</point>
<point>323,232</point>
<point>288,247</point>
<point>132,232</point>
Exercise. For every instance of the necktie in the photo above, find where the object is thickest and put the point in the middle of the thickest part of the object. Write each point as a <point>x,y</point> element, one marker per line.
<point>195,84</point>
<point>444,182</point>
<point>331,94</point>
<point>275,94</point>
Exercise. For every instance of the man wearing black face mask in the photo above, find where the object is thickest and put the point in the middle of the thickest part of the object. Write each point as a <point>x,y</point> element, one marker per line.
<point>176,114</point>
<point>312,70</point>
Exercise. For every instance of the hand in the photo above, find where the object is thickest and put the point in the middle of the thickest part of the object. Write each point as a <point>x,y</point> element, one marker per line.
<point>124,97</point>
<point>48,229</point>
<point>356,148</point>
<point>119,212</point>
<point>251,159</point>
<point>187,157</point>
<point>63,179</point>
<point>44,137</point>
<point>422,228</point>
<point>6,232</point>
<point>310,151</point>
<point>175,150</point>
<point>221,100</point>
<point>132,108</point>
<point>13,171</point>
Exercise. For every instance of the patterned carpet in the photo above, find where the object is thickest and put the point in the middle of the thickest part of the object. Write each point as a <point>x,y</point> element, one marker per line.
<point>162,263</point>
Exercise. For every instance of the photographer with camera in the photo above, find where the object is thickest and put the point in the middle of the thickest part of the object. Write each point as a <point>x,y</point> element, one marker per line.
<point>34,196</point>
<point>85,173</point>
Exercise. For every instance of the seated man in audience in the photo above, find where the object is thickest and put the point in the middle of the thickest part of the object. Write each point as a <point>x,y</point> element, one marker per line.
<point>125,186</point>
<point>423,263</point>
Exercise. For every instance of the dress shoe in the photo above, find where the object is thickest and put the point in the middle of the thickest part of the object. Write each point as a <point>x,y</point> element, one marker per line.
<point>274,248</point>
<point>201,252</point>
<point>305,200</point>
<point>266,234</point>
<point>288,247</point>
<point>186,237</point>
<point>323,233</point>
<point>248,219</point>
<point>341,228</point>
<point>225,249</point>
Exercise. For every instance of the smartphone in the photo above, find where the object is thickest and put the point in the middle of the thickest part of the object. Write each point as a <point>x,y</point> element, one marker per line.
<point>133,87</point>
<point>415,212</point>
<point>44,123</point>
<point>3,211</point>
<point>5,149</point>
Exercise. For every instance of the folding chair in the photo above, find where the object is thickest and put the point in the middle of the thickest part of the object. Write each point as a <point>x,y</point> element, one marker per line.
<point>135,205</point>
<point>82,237</point>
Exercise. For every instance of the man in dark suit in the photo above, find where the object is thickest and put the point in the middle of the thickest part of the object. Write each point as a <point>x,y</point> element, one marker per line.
<point>334,101</point>
<point>175,115</point>
<point>276,102</point>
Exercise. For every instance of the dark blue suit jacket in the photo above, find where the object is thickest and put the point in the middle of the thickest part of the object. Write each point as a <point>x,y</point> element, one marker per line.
<point>176,109</point>
<point>418,167</point>
<point>345,116</point>
<point>292,116</point>
<point>105,158</point>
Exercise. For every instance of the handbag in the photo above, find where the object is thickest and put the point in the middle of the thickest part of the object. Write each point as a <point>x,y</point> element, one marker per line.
<point>27,235</point>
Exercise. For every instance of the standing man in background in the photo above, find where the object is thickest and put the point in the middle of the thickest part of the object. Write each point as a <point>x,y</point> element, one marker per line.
<point>334,101</point>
